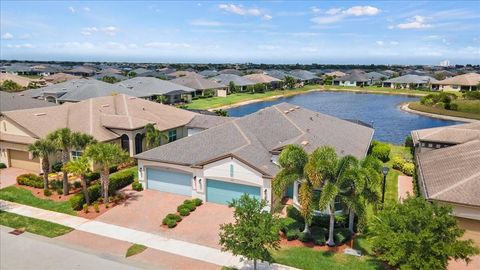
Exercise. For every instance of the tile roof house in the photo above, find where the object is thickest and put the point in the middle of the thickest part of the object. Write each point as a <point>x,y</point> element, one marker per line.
<point>17,101</point>
<point>201,85</point>
<point>464,82</point>
<point>119,118</point>
<point>355,78</point>
<point>20,80</point>
<point>240,155</point>
<point>83,71</point>
<point>305,76</point>
<point>149,87</point>
<point>239,81</point>
<point>448,169</point>
<point>60,77</point>
<point>269,81</point>
<point>407,81</point>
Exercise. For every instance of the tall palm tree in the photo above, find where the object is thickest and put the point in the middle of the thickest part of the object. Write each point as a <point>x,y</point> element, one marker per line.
<point>80,167</point>
<point>42,149</point>
<point>65,140</point>
<point>106,155</point>
<point>153,136</point>
<point>293,160</point>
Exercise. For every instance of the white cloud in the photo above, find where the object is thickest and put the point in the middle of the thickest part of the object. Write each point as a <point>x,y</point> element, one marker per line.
<point>310,49</point>
<point>201,22</point>
<point>72,9</point>
<point>380,43</point>
<point>315,9</point>
<point>110,30</point>
<point>394,43</point>
<point>21,46</point>
<point>166,45</point>
<point>7,36</point>
<point>337,14</point>
<point>268,47</point>
<point>243,11</point>
<point>86,9</point>
<point>416,22</point>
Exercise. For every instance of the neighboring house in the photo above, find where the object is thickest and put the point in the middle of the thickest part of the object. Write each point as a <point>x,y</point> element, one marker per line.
<point>151,88</point>
<point>201,85</point>
<point>448,169</point>
<point>20,80</point>
<point>60,77</point>
<point>465,82</point>
<point>355,78</point>
<point>240,156</point>
<point>81,71</point>
<point>280,74</point>
<point>17,69</point>
<point>305,76</point>
<point>183,73</point>
<point>375,78</point>
<point>335,74</point>
<point>240,82</point>
<point>201,122</point>
<point>120,119</point>
<point>269,81</point>
<point>139,71</point>
<point>17,101</point>
<point>154,74</point>
<point>409,81</point>
<point>231,71</point>
<point>117,76</point>
<point>208,73</point>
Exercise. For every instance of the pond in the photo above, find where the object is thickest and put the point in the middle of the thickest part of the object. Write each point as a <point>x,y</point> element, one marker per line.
<point>382,111</point>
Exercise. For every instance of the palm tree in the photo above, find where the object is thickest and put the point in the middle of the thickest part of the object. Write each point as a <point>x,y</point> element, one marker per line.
<point>106,155</point>
<point>293,160</point>
<point>65,140</point>
<point>153,136</point>
<point>80,167</point>
<point>42,149</point>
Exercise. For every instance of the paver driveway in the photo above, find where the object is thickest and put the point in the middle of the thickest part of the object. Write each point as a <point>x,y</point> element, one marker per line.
<point>145,211</point>
<point>8,176</point>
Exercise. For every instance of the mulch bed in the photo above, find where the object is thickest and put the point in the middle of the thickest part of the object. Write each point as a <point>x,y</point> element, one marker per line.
<point>38,192</point>
<point>297,243</point>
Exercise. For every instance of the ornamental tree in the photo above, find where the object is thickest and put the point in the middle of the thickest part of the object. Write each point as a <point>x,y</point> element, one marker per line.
<point>253,233</point>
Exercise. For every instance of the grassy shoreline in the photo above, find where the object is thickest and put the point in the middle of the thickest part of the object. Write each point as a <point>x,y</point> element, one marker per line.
<point>416,106</point>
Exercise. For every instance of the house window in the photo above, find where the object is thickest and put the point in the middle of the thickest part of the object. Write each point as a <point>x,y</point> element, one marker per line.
<point>76,155</point>
<point>125,142</point>
<point>4,126</point>
<point>172,135</point>
<point>231,170</point>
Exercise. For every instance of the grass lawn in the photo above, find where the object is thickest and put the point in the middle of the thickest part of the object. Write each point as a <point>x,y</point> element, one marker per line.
<point>33,225</point>
<point>466,109</point>
<point>135,249</point>
<point>307,258</point>
<point>215,102</point>
<point>23,196</point>
<point>375,89</point>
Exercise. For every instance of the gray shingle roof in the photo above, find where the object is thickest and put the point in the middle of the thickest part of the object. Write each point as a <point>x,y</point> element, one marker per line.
<point>280,74</point>
<point>354,76</point>
<point>410,78</point>
<point>252,138</point>
<point>149,86</point>
<point>15,101</point>
<point>204,121</point>
<point>197,82</point>
<point>304,75</point>
<point>225,79</point>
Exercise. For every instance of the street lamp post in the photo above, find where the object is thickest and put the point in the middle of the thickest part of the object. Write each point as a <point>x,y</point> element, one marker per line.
<point>384,172</point>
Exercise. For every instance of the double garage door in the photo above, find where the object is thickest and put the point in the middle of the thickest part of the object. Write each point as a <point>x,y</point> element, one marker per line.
<point>21,160</point>
<point>181,183</point>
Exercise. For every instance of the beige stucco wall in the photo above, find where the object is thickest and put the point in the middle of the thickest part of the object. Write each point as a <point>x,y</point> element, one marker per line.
<point>8,127</point>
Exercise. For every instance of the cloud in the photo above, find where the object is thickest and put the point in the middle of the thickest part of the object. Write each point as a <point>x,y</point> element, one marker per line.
<point>72,9</point>
<point>337,14</point>
<point>201,22</point>
<point>166,45</point>
<point>268,47</point>
<point>86,9</point>
<point>380,42</point>
<point>310,49</point>
<point>394,43</point>
<point>21,46</point>
<point>109,30</point>
<point>315,9</point>
<point>416,22</point>
<point>383,43</point>
<point>243,11</point>
<point>7,36</point>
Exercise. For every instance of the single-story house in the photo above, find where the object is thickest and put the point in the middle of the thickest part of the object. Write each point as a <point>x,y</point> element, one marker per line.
<point>376,77</point>
<point>231,71</point>
<point>119,118</point>
<point>103,74</point>
<point>17,101</point>
<point>335,74</point>
<point>448,166</point>
<point>201,85</point>
<point>20,80</point>
<point>269,81</point>
<point>208,73</point>
<point>280,74</point>
<point>241,155</point>
<point>409,81</point>
<point>240,82</point>
<point>355,78</point>
<point>81,71</point>
<point>183,73</point>
<point>201,122</point>
<point>305,76</point>
<point>465,82</point>
<point>60,77</point>
<point>150,88</point>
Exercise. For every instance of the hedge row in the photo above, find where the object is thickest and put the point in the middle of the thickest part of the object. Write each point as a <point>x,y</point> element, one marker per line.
<point>30,179</point>
<point>380,150</point>
<point>184,209</point>
<point>404,166</point>
<point>78,200</point>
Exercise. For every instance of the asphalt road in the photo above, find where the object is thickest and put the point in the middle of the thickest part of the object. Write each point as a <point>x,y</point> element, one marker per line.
<point>28,251</point>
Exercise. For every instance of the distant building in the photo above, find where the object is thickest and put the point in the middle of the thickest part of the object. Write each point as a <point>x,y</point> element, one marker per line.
<point>355,78</point>
<point>409,81</point>
<point>444,63</point>
<point>464,82</point>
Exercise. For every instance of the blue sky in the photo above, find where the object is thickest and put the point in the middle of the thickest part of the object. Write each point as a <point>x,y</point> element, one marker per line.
<point>358,32</point>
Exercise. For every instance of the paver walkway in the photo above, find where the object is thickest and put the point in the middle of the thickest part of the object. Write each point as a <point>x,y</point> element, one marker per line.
<point>405,187</point>
<point>154,241</point>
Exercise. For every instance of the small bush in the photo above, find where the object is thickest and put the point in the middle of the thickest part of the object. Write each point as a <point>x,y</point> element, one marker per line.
<point>113,169</point>
<point>321,221</point>
<point>56,184</point>
<point>408,168</point>
<point>293,234</point>
<point>2,165</point>
<point>381,151</point>
<point>85,208</point>
<point>30,179</point>
<point>319,235</point>
<point>77,200</point>
<point>95,207</point>
<point>293,212</point>
<point>183,211</point>
<point>120,180</point>
<point>408,141</point>
<point>341,236</point>
<point>77,184</point>
<point>175,217</point>
<point>57,166</point>
<point>288,224</point>
<point>197,201</point>
<point>452,107</point>
<point>47,192</point>
<point>305,237</point>
<point>398,163</point>
<point>137,186</point>
<point>92,176</point>
<point>190,205</point>
<point>59,191</point>
<point>171,223</point>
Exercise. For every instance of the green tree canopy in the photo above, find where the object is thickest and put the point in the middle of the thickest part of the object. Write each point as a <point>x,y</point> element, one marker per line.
<point>43,148</point>
<point>10,86</point>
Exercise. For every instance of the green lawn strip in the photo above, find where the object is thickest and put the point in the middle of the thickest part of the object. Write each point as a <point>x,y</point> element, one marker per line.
<point>23,196</point>
<point>33,225</point>
<point>391,187</point>
<point>215,102</point>
<point>307,258</point>
<point>470,107</point>
<point>135,249</point>
<point>377,90</point>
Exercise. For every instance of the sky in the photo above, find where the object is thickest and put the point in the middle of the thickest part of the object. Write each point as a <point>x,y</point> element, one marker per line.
<point>325,32</point>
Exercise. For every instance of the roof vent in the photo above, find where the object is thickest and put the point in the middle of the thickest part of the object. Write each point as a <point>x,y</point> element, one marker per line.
<point>311,118</point>
<point>297,107</point>
<point>304,143</point>
<point>105,105</point>
<point>40,114</point>
<point>308,130</point>
<point>291,109</point>
<point>286,112</point>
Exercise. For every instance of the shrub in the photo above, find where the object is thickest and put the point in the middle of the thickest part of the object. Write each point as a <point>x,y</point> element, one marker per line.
<point>190,205</point>
<point>77,184</point>
<point>398,162</point>
<point>175,217</point>
<point>113,169</point>
<point>305,237</point>
<point>452,106</point>
<point>341,236</point>
<point>2,165</point>
<point>381,151</point>
<point>293,234</point>
<point>293,212</point>
<point>408,168</point>
<point>30,179</point>
<point>92,176</point>
<point>85,208</point>
<point>319,235</point>
<point>59,191</point>
<point>171,223</point>
<point>120,180</point>
<point>77,200</point>
<point>471,95</point>
<point>56,184</point>
<point>183,211</point>
<point>137,186</point>
<point>408,141</point>
<point>57,166</point>
<point>47,192</point>
<point>288,224</point>
<point>197,201</point>
<point>340,220</point>
<point>95,207</point>
<point>321,221</point>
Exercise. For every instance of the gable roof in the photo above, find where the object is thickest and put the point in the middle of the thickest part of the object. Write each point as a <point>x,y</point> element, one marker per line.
<point>304,75</point>
<point>354,76</point>
<point>197,82</point>
<point>225,79</point>
<point>261,78</point>
<point>469,79</point>
<point>280,74</point>
<point>60,77</point>
<point>455,134</point>
<point>410,78</point>
<point>253,138</point>
<point>97,116</point>
<point>149,86</point>
<point>15,101</point>
<point>204,121</point>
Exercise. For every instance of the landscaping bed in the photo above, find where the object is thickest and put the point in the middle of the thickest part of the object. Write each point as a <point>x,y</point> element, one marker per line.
<point>33,225</point>
<point>171,220</point>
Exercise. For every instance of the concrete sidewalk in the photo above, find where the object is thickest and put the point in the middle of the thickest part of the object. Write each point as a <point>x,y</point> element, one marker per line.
<point>150,240</point>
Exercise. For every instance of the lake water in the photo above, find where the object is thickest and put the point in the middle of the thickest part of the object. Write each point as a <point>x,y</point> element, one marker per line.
<point>382,111</point>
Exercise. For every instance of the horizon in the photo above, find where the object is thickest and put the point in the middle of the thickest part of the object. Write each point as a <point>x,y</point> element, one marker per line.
<point>202,32</point>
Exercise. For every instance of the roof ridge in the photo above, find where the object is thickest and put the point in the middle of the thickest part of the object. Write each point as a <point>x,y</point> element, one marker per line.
<point>288,119</point>
<point>471,177</point>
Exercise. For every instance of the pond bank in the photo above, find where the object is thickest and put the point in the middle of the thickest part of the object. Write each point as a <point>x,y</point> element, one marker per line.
<point>405,107</point>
